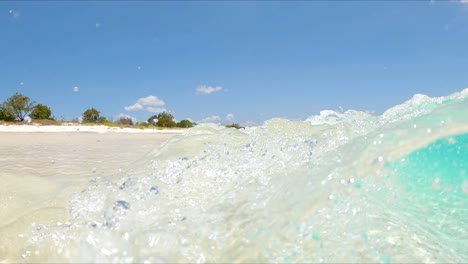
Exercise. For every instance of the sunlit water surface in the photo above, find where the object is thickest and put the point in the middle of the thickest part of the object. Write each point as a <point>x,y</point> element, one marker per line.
<point>338,187</point>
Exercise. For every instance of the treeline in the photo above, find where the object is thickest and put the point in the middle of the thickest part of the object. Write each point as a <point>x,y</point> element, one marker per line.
<point>19,107</point>
<point>160,120</point>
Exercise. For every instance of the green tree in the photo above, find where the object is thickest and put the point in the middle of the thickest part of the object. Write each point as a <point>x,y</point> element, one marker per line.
<point>41,112</point>
<point>18,106</point>
<point>5,115</point>
<point>91,116</point>
<point>185,123</point>
<point>102,120</point>
<point>162,120</point>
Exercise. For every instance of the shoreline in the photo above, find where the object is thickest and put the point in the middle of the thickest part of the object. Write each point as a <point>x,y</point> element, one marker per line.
<point>33,128</point>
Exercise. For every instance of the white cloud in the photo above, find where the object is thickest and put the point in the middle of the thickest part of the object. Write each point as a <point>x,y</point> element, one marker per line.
<point>151,101</point>
<point>149,104</point>
<point>210,119</point>
<point>208,89</point>
<point>229,117</point>
<point>134,107</point>
<point>76,89</point>
<point>98,24</point>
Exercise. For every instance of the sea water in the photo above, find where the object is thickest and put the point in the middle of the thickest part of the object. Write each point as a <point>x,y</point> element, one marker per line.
<point>337,187</point>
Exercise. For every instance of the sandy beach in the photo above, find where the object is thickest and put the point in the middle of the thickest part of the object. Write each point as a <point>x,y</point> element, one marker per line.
<point>42,168</point>
<point>71,127</point>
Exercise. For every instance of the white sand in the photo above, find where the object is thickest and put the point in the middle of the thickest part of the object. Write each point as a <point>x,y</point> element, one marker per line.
<point>82,128</point>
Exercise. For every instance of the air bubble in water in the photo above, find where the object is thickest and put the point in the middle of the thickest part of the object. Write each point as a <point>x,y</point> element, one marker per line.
<point>154,190</point>
<point>120,204</point>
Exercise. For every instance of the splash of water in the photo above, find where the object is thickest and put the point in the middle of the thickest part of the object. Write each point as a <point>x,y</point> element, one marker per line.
<point>339,187</point>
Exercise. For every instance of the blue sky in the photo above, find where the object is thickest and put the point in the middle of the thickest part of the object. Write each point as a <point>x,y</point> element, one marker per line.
<point>250,60</point>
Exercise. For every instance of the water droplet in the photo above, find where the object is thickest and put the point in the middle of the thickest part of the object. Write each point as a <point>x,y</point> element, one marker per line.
<point>414,126</point>
<point>330,197</point>
<point>429,130</point>
<point>381,135</point>
<point>380,158</point>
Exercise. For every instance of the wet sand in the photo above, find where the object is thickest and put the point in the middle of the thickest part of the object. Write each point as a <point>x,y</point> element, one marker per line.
<point>40,171</point>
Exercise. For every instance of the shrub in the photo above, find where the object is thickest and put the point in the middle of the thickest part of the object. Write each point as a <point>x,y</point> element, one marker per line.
<point>41,111</point>
<point>185,123</point>
<point>91,116</point>
<point>5,115</point>
<point>235,125</point>
<point>125,121</point>
<point>163,120</point>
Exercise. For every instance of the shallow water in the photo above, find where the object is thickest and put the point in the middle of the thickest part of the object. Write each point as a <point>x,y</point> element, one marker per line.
<point>338,187</point>
<point>40,171</point>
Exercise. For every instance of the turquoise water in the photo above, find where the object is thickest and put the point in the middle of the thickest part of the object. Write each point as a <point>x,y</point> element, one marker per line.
<point>337,187</point>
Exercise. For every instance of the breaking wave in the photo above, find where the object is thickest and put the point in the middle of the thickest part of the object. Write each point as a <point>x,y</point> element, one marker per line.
<point>338,187</point>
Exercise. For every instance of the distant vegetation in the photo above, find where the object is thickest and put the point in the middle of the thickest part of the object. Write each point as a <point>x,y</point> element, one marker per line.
<point>167,120</point>
<point>92,116</point>
<point>235,125</point>
<point>125,121</point>
<point>41,111</point>
<point>17,107</point>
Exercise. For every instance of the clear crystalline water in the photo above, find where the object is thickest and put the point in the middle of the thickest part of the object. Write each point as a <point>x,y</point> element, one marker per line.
<point>339,187</point>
